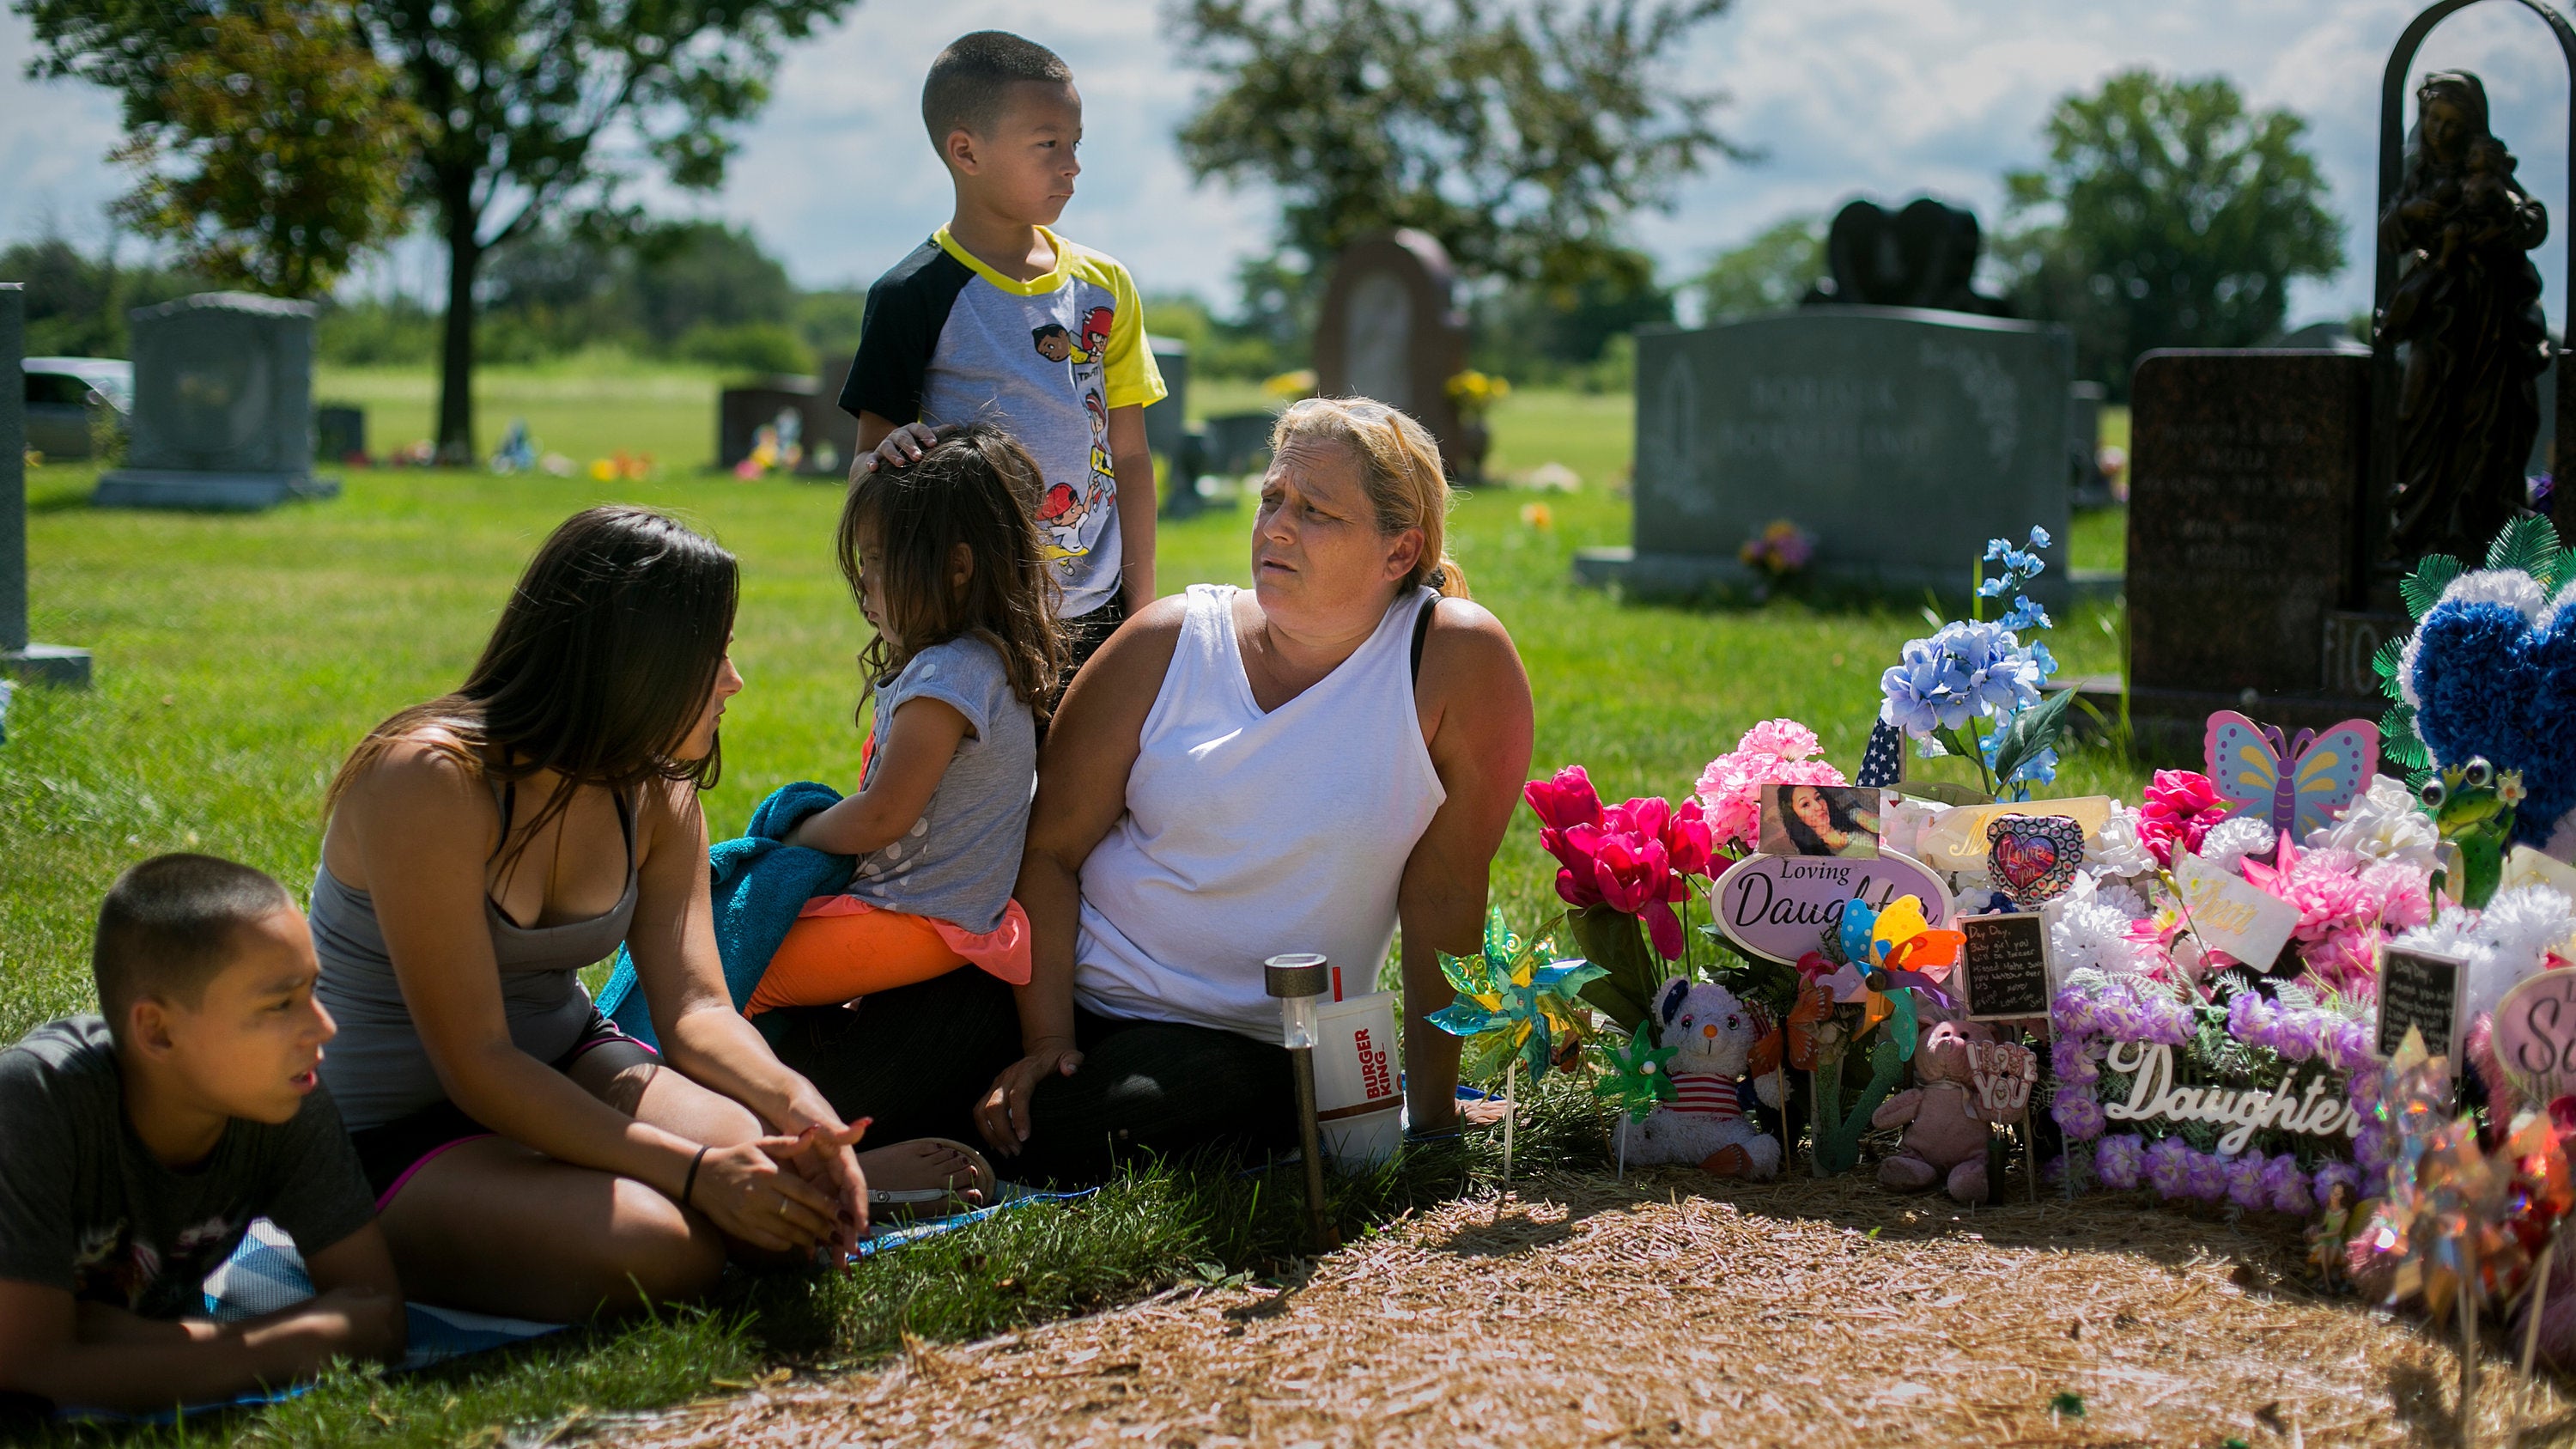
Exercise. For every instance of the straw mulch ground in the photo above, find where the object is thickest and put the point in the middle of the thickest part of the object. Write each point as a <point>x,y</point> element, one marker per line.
<point>1580,1311</point>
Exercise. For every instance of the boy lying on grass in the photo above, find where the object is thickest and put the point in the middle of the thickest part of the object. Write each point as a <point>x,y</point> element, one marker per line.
<point>136,1149</point>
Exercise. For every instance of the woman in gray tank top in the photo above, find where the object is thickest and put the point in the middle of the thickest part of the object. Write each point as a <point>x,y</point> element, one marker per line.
<point>530,1159</point>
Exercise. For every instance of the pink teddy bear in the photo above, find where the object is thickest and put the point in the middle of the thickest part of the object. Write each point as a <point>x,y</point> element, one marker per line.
<point>1945,1139</point>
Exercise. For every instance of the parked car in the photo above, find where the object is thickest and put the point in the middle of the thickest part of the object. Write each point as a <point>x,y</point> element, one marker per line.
<point>61,391</point>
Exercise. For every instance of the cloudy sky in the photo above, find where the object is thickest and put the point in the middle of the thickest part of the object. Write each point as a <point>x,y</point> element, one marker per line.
<point>1886,98</point>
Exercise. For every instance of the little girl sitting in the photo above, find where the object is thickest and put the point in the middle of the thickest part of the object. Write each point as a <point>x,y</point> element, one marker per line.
<point>944,559</point>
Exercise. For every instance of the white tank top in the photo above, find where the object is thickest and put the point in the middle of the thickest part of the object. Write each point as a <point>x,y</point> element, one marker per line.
<point>1251,834</point>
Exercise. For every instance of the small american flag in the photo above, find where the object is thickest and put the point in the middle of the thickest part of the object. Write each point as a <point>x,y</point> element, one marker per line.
<point>1882,765</point>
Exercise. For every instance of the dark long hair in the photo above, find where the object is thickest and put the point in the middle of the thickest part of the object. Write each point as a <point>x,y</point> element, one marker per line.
<point>600,664</point>
<point>976,486</point>
<point>1805,840</point>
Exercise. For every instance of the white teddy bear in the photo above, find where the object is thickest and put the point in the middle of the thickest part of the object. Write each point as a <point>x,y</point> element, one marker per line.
<point>1714,1037</point>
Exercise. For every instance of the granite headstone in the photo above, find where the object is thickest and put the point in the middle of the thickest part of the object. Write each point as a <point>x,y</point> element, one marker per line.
<point>831,435</point>
<point>2245,471</point>
<point>46,663</point>
<point>742,411</point>
<point>1902,439</point>
<point>223,406</point>
<point>1391,330</point>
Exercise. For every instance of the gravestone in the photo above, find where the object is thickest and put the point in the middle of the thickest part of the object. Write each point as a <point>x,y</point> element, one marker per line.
<point>1391,330</point>
<point>2245,470</point>
<point>744,410</point>
<point>340,433</point>
<point>223,407</point>
<point>43,663</point>
<point>1168,433</point>
<point>827,425</point>
<point>1902,439</point>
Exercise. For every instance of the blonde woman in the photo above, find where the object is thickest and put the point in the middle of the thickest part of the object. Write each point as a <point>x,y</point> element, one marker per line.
<point>1298,766</point>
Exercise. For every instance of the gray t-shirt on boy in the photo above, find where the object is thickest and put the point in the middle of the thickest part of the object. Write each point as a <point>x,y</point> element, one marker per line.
<point>86,1207</point>
<point>961,858</point>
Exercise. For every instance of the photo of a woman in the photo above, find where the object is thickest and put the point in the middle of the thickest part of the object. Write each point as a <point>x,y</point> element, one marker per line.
<point>1819,820</point>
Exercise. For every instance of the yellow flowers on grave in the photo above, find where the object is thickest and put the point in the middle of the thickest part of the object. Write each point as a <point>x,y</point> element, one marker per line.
<point>1291,385</point>
<point>1475,393</point>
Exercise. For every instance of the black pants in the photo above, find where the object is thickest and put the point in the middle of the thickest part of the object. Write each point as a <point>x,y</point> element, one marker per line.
<point>1085,633</point>
<point>916,1058</point>
<point>1156,1088</point>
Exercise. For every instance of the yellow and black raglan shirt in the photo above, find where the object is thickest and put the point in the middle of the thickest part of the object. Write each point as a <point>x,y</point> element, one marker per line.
<point>949,340</point>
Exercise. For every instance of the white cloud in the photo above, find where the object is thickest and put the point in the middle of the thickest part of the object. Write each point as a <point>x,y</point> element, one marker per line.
<point>1886,98</point>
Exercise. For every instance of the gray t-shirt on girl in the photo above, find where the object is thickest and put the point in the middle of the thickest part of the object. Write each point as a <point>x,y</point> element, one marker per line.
<point>962,857</point>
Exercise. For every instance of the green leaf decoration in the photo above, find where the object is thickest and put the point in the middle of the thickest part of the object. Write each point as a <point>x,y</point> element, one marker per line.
<point>1635,1075</point>
<point>1616,942</point>
<point>2398,742</point>
<point>2530,543</point>
<point>2386,663</point>
<point>1835,1149</point>
<point>2423,588</point>
<point>2032,732</point>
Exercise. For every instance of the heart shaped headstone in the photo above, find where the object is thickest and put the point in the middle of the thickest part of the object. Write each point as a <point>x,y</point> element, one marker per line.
<point>2033,858</point>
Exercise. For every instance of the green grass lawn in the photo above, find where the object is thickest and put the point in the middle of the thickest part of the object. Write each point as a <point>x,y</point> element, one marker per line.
<point>239,657</point>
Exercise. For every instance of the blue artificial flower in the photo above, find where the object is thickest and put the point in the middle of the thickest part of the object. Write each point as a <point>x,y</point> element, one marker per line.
<point>1993,588</point>
<point>2026,615</point>
<point>1924,692</point>
<point>1996,548</point>
<point>2039,656</point>
<point>2038,536</point>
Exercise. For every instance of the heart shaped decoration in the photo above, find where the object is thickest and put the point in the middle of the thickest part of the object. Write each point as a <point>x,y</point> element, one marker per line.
<point>2491,671</point>
<point>2032,858</point>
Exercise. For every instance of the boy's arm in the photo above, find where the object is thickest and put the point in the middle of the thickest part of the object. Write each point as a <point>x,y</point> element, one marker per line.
<point>1134,460</point>
<point>92,1356</point>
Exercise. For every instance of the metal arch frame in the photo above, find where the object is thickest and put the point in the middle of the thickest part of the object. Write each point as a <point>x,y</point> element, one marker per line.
<point>2383,356</point>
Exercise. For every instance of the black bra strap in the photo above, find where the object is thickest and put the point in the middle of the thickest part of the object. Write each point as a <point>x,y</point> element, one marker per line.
<point>1421,632</point>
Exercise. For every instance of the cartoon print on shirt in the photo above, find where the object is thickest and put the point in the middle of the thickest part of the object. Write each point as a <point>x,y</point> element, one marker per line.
<point>1061,515</point>
<point>1054,342</point>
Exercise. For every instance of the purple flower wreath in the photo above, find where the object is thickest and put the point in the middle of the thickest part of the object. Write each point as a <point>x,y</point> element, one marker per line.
<point>2090,1016</point>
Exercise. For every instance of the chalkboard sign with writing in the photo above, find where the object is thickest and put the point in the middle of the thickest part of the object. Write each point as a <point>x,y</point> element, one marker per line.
<point>2420,989</point>
<point>2005,966</point>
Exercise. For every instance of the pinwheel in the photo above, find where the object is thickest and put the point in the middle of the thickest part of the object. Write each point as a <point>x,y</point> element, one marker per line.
<point>1890,955</point>
<point>1635,1079</point>
<point>1510,1010</point>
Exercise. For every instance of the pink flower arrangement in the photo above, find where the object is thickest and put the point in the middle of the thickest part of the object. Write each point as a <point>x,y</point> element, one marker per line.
<point>1774,752</point>
<point>1637,858</point>
<point>2180,807</point>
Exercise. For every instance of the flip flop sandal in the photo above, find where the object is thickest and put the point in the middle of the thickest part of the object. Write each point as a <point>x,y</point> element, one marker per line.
<point>935,1201</point>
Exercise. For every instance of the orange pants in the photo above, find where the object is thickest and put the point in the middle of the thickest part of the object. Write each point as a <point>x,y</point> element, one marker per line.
<point>827,960</point>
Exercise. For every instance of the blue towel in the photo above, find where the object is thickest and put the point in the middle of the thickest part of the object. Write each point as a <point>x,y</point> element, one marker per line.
<point>760,885</point>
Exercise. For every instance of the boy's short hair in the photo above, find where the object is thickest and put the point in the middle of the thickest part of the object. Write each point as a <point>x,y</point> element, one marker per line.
<point>973,77</point>
<point>167,928</point>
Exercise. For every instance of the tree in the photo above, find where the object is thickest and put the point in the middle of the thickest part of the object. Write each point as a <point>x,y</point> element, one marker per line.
<point>76,305</point>
<point>276,155</point>
<point>1520,136</point>
<point>2168,216</point>
<point>529,108</point>
<point>1767,274</point>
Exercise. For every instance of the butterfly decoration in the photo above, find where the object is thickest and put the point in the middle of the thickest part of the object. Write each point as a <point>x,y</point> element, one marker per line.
<point>2300,783</point>
<point>1636,1078</point>
<point>1882,764</point>
<point>1890,955</point>
<point>1510,1009</point>
<point>2033,857</point>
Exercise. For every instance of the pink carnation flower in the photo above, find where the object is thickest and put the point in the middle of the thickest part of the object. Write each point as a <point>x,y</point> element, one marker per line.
<point>2180,807</point>
<point>1774,752</point>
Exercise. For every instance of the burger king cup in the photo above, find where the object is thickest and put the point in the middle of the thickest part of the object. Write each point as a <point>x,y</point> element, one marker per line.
<point>1357,1101</point>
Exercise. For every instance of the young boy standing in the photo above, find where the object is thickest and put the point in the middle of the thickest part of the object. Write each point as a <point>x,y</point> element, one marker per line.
<point>136,1149</point>
<point>997,318</point>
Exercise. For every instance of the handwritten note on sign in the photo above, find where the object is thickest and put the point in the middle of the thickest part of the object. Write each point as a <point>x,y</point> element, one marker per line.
<point>2229,915</point>
<point>2419,989</point>
<point>2535,1035</point>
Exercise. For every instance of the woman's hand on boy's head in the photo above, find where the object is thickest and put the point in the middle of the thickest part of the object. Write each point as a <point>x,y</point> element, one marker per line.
<point>900,448</point>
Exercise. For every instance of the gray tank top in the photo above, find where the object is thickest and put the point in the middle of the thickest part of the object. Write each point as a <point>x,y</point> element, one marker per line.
<point>377,1068</point>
